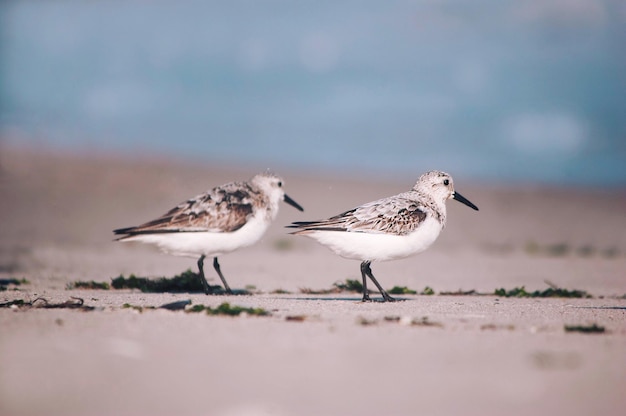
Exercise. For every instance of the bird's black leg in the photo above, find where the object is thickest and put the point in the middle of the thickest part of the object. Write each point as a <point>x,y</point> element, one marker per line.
<point>216,266</point>
<point>365,268</point>
<point>366,295</point>
<point>205,284</point>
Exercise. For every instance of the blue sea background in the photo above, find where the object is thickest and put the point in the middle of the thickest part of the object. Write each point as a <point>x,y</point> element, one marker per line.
<point>491,90</point>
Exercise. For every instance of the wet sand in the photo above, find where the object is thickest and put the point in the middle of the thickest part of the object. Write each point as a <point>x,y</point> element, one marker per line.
<point>481,355</point>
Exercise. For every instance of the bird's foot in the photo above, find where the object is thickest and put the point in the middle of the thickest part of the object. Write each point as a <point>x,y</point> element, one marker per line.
<point>387,297</point>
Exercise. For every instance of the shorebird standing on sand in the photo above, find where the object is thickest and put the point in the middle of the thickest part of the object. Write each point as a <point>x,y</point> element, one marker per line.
<point>216,222</point>
<point>387,229</point>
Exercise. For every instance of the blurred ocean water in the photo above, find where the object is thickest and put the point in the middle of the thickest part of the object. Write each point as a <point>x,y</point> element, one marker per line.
<point>494,90</point>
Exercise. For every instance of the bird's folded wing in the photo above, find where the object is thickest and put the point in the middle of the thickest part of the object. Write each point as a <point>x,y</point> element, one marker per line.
<point>386,216</point>
<point>218,210</point>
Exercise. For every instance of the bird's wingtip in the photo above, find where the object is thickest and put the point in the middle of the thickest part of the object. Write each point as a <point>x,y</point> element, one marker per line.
<point>126,230</point>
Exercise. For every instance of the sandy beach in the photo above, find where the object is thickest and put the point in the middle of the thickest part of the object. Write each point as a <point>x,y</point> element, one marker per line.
<point>314,354</point>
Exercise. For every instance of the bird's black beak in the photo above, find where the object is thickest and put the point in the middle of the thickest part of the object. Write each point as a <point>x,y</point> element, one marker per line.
<point>293,203</point>
<point>464,200</point>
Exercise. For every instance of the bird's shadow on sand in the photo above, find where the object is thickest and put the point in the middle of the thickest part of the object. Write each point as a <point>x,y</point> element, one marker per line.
<point>345,299</point>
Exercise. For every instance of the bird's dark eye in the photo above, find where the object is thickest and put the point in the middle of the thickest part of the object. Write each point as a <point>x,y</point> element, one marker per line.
<point>446,182</point>
<point>280,184</point>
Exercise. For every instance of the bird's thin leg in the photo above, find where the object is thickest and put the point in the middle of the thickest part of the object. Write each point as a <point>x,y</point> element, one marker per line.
<point>216,265</point>
<point>368,271</point>
<point>366,295</point>
<point>205,284</point>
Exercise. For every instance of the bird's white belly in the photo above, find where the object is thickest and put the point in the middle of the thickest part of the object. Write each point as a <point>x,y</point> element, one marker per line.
<point>379,247</point>
<point>195,244</point>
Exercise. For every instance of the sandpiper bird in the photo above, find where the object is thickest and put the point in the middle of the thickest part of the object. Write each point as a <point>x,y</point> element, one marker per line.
<point>216,222</point>
<point>387,229</point>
